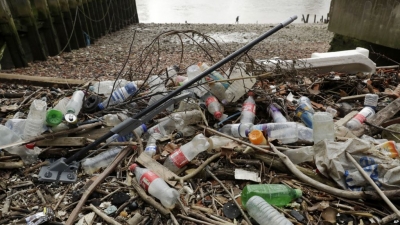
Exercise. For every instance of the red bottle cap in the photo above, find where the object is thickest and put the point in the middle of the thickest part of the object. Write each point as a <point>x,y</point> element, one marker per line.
<point>250,93</point>
<point>217,115</point>
<point>133,167</point>
<point>30,145</point>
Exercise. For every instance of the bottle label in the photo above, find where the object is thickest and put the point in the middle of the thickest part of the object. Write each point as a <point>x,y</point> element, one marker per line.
<point>250,107</point>
<point>151,149</point>
<point>147,178</point>
<point>210,100</point>
<point>360,118</point>
<point>155,129</point>
<point>235,130</point>
<point>178,158</point>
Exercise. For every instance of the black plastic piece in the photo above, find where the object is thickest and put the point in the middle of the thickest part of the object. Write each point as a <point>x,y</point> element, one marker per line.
<point>119,198</point>
<point>231,210</point>
<point>90,104</point>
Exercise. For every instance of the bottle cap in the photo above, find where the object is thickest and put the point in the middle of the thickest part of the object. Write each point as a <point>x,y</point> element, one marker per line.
<point>70,118</point>
<point>250,93</point>
<point>53,117</point>
<point>256,137</point>
<point>30,145</point>
<point>217,115</point>
<point>133,167</point>
<point>298,193</point>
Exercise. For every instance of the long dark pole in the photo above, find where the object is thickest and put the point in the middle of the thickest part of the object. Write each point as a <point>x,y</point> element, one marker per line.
<point>185,86</point>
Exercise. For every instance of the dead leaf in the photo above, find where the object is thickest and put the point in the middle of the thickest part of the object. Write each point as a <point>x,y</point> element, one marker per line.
<point>171,147</point>
<point>329,214</point>
<point>319,206</point>
<point>343,93</point>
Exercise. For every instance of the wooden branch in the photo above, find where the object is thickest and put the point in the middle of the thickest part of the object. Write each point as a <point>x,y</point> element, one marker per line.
<point>99,179</point>
<point>39,81</point>
<point>108,219</point>
<point>11,165</point>
<point>383,115</point>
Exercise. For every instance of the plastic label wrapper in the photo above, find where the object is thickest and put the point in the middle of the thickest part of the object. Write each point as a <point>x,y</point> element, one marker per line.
<point>331,161</point>
<point>41,217</point>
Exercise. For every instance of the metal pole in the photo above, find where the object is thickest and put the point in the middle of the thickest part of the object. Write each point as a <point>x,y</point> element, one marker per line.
<point>185,86</point>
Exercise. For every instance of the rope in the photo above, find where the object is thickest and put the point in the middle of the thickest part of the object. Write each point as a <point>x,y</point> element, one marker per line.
<point>108,9</point>
<point>73,30</point>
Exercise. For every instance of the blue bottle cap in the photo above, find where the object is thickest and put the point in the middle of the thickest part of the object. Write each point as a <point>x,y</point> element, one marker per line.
<point>130,88</point>
<point>100,106</point>
<point>144,128</point>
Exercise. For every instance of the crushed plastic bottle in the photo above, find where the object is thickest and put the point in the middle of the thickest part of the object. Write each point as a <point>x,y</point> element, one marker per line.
<point>114,119</point>
<point>36,119</point>
<point>216,142</point>
<point>62,105</point>
<point>102,160</point>
<point>239,87</point>
<point>192,72</point>
<point>248,109</point>
<point>151,147</point>
<point>119,95</point>
<point>262,212</point>
<point>274,194</point>
<point>157,85</point>
<point>218,90</point>
<point>357,121</point>
<point>118,138</point>
<point>155,186</point>
<point>183,155</point>
<point>213,105</point>
<point>215,75</point>
<point>28,153</point>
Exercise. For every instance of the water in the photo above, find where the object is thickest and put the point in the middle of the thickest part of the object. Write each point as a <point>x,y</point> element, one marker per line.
<point>226,11</point>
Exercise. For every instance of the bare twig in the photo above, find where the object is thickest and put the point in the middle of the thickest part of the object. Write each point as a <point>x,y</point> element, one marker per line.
<point>62,197</point>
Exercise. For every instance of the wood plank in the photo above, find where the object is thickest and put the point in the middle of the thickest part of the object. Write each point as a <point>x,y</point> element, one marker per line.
<point>39,81</point>
<point>157,168</point>
<point>63,141</point>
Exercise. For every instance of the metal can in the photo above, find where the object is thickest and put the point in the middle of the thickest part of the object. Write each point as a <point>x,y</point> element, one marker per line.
<point>46,215</point>
<point>303,111</point>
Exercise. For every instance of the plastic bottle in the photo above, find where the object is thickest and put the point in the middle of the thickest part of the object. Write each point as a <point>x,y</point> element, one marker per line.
<point>276,114</point>
<point>305,113</point>
<point>236,130</point>
<point>165,127</point>
<point>215,75</point>
<point>53,117</point>
<point>106,87</point>
<point>257,137</point>
<point>213,105</point>
<point>357,121</point>
<point>102,160</point>
<point>218,90</point>
<point>264,213</point>
<point>62,105</point>
<point>323,127</point>
<point>284,132</point>
<point>239,87</point>
<point>331,111</point>
<point>28,153</point>
<point>118,138</point>
<point>274,194</point>
<point>156,85</point>
<point>216,142</point>
<point>151,147</point>
<point>114,119</point>
<point>7,136</point>
<point>371,100</point>
<point>192,72</point>
<point>74,107</point>
<point>306,100</point>
<point>305,133</point>
<point>119,95</point>
<point>248,109</point>
<point>35,120</point>
<point>182,156</point>
<point>155,186</point>
<point>187,131</point>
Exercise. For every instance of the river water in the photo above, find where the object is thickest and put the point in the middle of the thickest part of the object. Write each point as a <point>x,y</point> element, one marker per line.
<point>226,11</point>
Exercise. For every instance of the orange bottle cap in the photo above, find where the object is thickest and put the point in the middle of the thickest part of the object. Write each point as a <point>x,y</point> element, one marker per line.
<point>257,137</point>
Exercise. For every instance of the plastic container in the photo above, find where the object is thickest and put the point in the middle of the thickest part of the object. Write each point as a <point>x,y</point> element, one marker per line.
<point>238,88</point>
<point>182,156</point>
<point>248,109</point>
<point>264,213</point>
<point>118,138</point>
<point>106,87</point>
<point>237,130</point>
<point>274,194</point>
<point>151,147</point>
<point>215,75</point>
<point>284,132</point>
<point>35,120</point>
<point>371,100</point>
<point>218,90</point>
<point>323,127</point>
<point>155,186</point>
<point>119,95</point>
<point>276,114</point>
<point>257,137</point>
<point>53,117</point>
<point>213,105</point>
<point>357,121</point>
<point>102,160</point>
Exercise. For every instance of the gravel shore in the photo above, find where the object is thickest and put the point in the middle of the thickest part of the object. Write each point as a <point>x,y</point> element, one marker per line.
<point>105,58</point>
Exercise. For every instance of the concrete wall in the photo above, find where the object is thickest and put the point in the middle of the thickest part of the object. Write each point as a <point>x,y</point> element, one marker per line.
<point>376,21</point>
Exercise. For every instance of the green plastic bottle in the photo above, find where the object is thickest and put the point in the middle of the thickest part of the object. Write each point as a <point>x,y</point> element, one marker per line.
<point>274,194</point>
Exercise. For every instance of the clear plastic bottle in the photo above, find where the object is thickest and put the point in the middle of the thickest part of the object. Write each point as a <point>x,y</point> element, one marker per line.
<point>357,121</point>
<point>118,138</point>
<point>274,194</point>
<point>36,119</point>
<point>114,119</point>
<point>187,117</point>
<point>237,130</point>
<point>239,87</point>
<point>106,87</point>
<point>182,156</point>
<point>119,95</point>
<point>371,100</point>
<point>331,111</point>
<point>156,85</point>
<point>213,105</point>
<point>192,72</point>
<point>155,186</point>
<point>151,147</point>
<point>276,114</point>
<point>74,107</point>
<point>28,153</point>
<point>284,132</point>
<point>262,212</point>
<point>62,105</point>
<point>218,90</point>
<point>323,127</point>
<point>248,109</point>
<point>165,127</point>
<point>102,160</point>
<point>217,142</point>
<point>305,133</point>
<point>215,75</point>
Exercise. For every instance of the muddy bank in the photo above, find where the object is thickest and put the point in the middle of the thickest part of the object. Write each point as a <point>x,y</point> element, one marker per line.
<point>105,58</point>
